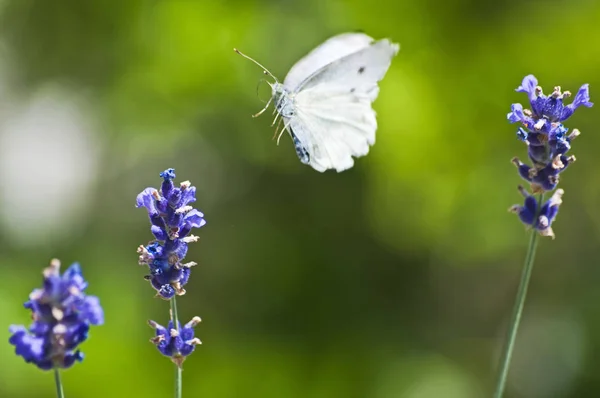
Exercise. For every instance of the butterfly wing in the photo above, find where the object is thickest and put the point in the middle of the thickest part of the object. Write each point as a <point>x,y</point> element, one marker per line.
<point>332,49</point>
<point>333,129</point>
<point>334,120</point>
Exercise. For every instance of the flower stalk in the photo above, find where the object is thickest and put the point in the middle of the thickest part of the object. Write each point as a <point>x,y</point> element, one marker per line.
<point>517,311</point>
<point>178,378</point>
<point>58,382</point>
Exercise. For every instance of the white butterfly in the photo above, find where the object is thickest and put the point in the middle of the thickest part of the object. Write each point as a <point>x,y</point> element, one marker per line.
<point>325,99</point>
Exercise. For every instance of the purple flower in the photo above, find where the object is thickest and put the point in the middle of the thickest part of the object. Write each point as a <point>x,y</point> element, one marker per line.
<point>62,315</point>
<point>543,132</point>
<point>546,178</point>
<point>542,220</point>
<point>176,343</point>
<point>548,142</point>
<point>172,219</point>
<point>550,107</point>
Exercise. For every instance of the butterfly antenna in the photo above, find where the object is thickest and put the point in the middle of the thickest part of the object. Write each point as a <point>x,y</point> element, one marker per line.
<point>265,70</point>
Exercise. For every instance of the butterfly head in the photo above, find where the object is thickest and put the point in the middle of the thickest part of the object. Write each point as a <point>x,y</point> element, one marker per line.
<point>282,100</point>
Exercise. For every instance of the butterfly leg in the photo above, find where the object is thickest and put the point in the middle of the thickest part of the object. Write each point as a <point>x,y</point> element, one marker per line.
<point>280,134</point>
<point>263,109</point>
<point>277,128</point>
<point>274,120</point>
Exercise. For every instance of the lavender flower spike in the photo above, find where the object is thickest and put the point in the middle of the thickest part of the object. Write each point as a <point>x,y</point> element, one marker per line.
<point>544,134</point>
<point>172,219</point>
<point>176,343</point>
<point>62,315</point>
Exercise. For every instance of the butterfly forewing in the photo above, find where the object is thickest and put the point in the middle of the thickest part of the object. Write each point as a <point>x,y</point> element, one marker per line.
<point>333,49</point>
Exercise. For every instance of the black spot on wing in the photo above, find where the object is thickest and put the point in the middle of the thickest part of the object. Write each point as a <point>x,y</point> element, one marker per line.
<point>352,90</point>
<point>361,70</point>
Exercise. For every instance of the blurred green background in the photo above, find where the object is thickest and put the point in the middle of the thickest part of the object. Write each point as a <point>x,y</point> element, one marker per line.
<point>393,279</point>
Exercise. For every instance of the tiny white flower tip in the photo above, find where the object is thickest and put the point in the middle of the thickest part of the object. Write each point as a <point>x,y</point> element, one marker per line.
<point>515,209</point>
<point>539,124</point>
<point>556,199</point>
<point>183,209</point>
<point>52,269</point>
<point>547,232</point>
<point>557,164</point>
<point>36,294</point>
<point>574,134</point>
<point>59,329</point>
<point>58,314</point>
<point>190,239</point>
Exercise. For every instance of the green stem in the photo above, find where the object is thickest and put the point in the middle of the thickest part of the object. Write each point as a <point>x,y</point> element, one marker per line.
<point>175,319</point>
<point>518,309</point>
<point>59,388</point>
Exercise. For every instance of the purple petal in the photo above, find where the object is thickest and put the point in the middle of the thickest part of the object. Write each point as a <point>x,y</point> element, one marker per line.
<point>92,311</point>
<point>146,199</point>
<point>528,86</point>
<point>194,219</point>
<point>516,113</point>
<point>581,98</point>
